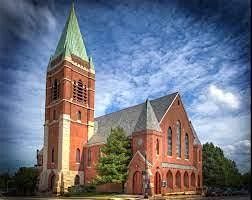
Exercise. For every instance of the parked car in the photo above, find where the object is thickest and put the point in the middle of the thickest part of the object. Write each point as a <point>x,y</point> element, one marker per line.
<point>227,192</point>
<point>219,192</point>
<point>243,191</point>
<point>210,192</point>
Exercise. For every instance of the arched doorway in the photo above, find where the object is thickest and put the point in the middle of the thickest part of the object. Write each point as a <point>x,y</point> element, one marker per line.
<point>77,180</point>
<point>137,183</point>
<point>186,180</point>
<point>157,183</point>
<point>169,180</point>
<point>198,181</point>
<point>193,179</point>
<point>51,182</point>
<point>178,180</point>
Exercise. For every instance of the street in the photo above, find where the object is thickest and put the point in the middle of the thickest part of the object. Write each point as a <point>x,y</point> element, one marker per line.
<point>117,197</point>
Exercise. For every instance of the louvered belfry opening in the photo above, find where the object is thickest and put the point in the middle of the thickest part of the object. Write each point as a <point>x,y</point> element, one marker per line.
<point>80,92</point>
<point>55,90</point>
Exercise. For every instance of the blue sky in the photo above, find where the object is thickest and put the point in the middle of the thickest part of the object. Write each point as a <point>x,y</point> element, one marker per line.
<point>141,49</point>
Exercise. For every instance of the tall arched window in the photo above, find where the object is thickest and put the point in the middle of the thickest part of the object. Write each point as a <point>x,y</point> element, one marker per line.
<point>78,155</point>
<point>79,92</point>
<point>89,157</point>
<point>169,141</point>
<point>55,90</point>
<point>186,146</point>
<point>52,155</point>
<point>178,146</point>
<point>157,147</point>
<point>79,115</point>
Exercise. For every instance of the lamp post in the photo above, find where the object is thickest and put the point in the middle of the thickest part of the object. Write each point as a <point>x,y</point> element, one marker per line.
<point>145,178</point>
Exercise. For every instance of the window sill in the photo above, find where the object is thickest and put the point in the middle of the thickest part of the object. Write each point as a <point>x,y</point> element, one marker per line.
<point>179,158</point>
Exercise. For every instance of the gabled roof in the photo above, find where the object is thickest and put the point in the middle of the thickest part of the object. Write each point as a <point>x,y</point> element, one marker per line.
<point>196,139</point>
<point>71,41</point>
<point>129,117</point>
<point>147,119</point>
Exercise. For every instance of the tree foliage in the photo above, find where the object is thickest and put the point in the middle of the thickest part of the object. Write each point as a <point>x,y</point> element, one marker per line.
<point>219,171</point>
<point>25,180</point>
<point>116,155</point>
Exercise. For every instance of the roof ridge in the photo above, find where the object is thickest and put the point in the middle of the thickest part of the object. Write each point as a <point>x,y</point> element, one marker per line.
<point>136,105</point>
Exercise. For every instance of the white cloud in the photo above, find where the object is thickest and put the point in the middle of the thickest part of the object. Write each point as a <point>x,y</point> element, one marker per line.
<point>221,96</point>
<point>240,151</point>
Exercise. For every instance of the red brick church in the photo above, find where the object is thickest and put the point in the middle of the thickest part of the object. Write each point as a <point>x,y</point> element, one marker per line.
<point>164,142</point>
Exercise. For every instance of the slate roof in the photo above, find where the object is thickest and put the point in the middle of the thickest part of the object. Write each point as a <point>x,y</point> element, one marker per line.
<point>147,119</point>
<point>129,117</point>
<point>143,116</point>
<point>196,139</point>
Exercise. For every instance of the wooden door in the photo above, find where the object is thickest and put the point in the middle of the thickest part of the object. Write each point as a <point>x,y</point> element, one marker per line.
<point>137,183</point>
<point>157,183</point>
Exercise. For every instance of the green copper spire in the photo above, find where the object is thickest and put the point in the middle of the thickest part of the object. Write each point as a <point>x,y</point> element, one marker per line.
<point>71,41</point>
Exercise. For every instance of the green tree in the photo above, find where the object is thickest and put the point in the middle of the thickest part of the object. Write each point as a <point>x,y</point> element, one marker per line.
<point>219,171</point>
<point>116,155</point>
<point>246,180</point>
<point>25,180</point>
<point>4,179</point>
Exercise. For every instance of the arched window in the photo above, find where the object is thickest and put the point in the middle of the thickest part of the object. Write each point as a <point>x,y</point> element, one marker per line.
<point>79,115</point>
<point>52,155</point>
<point>178,146</point>
<point>55,90</point>
<point>78,155</point>
<point>169,141</point>
<point>89,157</point>
<point>157,147</point>
<point>77,180</point>
<point>186,180</point>
<point>186,146</point>
<point>80,92</point>
<point>178,180</point>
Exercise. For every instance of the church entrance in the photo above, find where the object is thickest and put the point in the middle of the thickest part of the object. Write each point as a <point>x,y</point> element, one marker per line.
<point>157,183</point>
<point>137,183</point>
<point>51,182</point>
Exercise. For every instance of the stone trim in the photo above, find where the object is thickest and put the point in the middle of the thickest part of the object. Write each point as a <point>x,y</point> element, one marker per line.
<point>177,166</point>
<point>64,142</point>
<point>70,101</point>
<point>60,63</point>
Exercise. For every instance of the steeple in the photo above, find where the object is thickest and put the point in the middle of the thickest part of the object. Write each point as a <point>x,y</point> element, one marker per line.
<point>147,119</point>
<point>71,41</point>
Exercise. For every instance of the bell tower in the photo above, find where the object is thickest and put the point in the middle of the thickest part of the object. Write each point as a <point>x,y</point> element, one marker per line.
<point>69,110</point>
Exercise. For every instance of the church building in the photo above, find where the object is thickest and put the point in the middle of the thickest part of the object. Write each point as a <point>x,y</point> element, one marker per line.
<point>164,142</point>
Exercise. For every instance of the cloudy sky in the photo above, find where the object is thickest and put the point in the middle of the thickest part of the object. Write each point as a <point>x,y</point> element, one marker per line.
<point>140,48</point>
